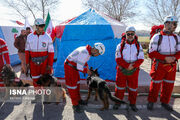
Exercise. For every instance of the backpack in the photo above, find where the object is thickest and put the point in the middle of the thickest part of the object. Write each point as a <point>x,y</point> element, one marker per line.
<point>160,40</point>
<point>123,41</point>
<point>156,29</point>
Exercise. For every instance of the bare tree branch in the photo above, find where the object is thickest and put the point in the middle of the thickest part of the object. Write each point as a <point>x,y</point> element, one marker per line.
<point>33,7</point>
<point>159,9</point>
<point>120,10</point>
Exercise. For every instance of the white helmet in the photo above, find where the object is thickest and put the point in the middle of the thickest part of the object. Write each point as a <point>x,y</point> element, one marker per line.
<point>100,47</point>
<point>170,19</point>
<point>39,21</point>
<point>130,28</point>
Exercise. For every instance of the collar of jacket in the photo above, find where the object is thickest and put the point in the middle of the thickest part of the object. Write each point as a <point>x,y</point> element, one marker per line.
<point>35,33</point>
<point>22,36</point>
<point>165,33</point>
<point>88,47</point>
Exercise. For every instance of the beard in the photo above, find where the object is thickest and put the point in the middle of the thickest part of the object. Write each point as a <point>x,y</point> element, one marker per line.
<point>171,29</point>
<point>130,40</point>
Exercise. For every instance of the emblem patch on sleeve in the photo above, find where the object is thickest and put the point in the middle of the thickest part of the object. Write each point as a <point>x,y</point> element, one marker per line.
<point>43,44</point>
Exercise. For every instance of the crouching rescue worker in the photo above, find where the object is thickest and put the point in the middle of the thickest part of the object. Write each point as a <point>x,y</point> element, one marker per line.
<point>164,49</point>
<point>129,56</point>
<point>39,53</point>
<point>75,62</point>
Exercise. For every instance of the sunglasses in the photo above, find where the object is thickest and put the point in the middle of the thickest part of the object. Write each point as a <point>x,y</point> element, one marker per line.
<point>128,34</point>
<point>41,26</point>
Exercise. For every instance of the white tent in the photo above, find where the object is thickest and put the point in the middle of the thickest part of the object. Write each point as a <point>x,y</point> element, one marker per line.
<point>8,31</point>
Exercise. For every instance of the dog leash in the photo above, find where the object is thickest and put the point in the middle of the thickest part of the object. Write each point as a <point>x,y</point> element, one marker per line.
<point>2,104</point>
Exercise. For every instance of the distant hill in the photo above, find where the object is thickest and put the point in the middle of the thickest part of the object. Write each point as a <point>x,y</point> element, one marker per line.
<point>143,33</point>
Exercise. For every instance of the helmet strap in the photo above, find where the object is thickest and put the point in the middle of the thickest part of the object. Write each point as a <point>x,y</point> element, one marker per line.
<point>168,32</point>
<point>93,53</point>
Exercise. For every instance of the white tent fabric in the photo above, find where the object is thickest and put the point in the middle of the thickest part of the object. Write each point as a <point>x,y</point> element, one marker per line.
<point>8,33</point>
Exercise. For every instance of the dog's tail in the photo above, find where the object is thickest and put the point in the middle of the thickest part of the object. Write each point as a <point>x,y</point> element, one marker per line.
<point>112,97</point>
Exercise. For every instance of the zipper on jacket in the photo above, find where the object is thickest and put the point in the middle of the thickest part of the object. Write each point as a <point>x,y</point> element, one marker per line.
<point>130,53</point>
<point>169,45</point>
<point>38,43</point>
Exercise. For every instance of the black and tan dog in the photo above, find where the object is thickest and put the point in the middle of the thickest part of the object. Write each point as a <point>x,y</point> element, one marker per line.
<point>10,78</point>
<point>57,92</point>
<point>101,88</point>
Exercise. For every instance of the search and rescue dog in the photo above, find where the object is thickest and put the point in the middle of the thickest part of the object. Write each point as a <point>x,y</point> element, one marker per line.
<point>58,93</point>
<point>10,80</point>
<point>101,89</point>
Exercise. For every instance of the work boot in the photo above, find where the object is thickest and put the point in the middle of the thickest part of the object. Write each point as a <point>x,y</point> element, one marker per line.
<point>77,108</point>
<point>167,107</point>
<point>150,105</point>
<point>83,102</point>
<point>116,106</point>
<point>37,99</point>
<point>133,107</point>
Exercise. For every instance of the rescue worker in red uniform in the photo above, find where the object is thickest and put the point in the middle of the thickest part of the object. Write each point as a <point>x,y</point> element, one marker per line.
<point>39,52</point>
<point>129,56</point>
<point>75,62</point>
<point>164,49</point>
<point>4,55</point>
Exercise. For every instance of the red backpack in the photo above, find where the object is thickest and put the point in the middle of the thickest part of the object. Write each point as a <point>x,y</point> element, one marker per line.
<point>155,29</point>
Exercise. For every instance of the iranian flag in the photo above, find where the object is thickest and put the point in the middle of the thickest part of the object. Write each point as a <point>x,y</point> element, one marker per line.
<point>49,27</point>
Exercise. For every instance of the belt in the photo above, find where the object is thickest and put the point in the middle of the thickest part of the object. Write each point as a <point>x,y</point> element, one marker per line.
<point>39,60</point>
<point>164,62</point>
<point>66,62</point>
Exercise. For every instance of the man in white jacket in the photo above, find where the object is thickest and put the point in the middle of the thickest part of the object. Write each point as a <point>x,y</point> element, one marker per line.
<point>75,62</point>
<point>129,56</point>
<point>164,49</point>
